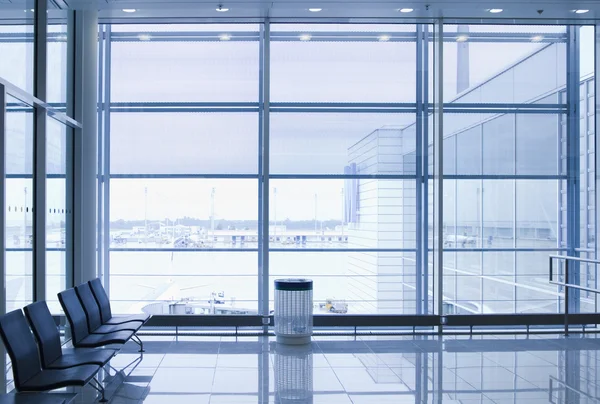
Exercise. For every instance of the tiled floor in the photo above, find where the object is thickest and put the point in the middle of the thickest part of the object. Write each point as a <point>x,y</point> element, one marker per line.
<point>332,370</point>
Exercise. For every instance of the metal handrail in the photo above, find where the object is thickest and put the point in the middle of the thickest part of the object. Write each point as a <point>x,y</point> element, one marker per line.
<point>567,285</point>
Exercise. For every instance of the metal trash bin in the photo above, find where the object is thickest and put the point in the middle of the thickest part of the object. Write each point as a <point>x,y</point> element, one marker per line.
<point>293,310</point>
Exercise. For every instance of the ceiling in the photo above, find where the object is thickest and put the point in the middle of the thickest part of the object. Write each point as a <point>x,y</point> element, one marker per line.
<point>539,10</point>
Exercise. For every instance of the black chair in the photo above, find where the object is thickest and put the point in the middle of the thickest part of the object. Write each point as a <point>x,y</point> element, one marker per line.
<point>105,310</point>
<point>27,369</point>
<point>48,340</point>
<point>92,312</point>
<point>81,337</point>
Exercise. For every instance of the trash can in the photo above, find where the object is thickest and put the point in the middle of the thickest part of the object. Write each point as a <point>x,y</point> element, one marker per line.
<point>293,311</point>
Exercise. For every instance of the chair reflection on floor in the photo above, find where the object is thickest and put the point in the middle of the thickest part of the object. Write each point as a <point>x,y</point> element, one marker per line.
<point>293,374</point>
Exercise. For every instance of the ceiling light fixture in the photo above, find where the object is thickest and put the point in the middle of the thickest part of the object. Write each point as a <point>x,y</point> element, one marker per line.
<point>129,10</point>
<point>384,38</point>
<point>314,10</point>
<point>581,11</point>
<point>222,9</point>
<point>406,10</point>
<point>305,37</point>
<point>144,37</point>
<point>495,10</point>
<point>537,38</point>
<point>224,37</point>
<point>462,38</point>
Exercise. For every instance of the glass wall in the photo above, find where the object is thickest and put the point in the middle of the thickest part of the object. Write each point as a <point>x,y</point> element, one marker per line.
<point>19,204</point>
<point>347,124</point>
<point>184,168</point>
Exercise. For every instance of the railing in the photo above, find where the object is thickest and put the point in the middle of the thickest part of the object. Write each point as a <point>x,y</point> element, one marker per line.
<point>567,285</point>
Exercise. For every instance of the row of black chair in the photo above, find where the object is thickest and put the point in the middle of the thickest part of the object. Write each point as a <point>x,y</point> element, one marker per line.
<point>44,366</point>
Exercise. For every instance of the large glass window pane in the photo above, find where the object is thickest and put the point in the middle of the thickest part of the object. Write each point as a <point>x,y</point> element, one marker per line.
<point>184,282</point>
<point>183,213</point>
<point>58,205</point>
<point>343,213</point>
<point>19,204</point>
<point>353,282</point>
<point>496,63</point>
<point>342,143</point>
<point>16,43</point>
<point>498,213</point>
<point>533,293</point>
<point>538,140</point>
<point>537,213</point>
<point>343,63</point>
<point>177,63</point>
<point>499,145</point>
<point>57,66</point>
<point>184,143</point>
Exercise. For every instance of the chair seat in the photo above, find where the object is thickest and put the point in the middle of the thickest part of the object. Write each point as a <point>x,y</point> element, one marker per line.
<point>97,340</point>
<point>142,317</point>
<point>99,357</point>
<point>107,329</point>
<point>51,379</point>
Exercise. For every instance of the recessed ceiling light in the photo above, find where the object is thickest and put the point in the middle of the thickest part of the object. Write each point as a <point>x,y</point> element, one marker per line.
<point>144,37</point>
<point>305,37</point>
<point>384,38</point>
<point>224,37</point>
<point>496,10</point>
<point>581,11</point>
<point>462,38</point>
<point>537,38</point>
<point>314,10</point>
<point>406,10</point>
<point>129,10</point>
<point>222,9</point>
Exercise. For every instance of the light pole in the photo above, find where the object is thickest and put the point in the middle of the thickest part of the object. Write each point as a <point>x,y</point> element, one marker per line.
<point>145,214</point>
<point>25,238</point>
<point>316,227</point>
<point>275,210</point>
<point>343,213</point>
<point>212,213</point>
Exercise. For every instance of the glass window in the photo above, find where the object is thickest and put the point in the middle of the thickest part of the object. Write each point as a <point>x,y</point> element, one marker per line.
<point>184,282</point>
<point>59,215</point>
<point>538,139</point>
<point>495,63</point>
<point>537,213</point>
<point>19,204</point>
<point>211,62</point>
<point>343,63</point>
<point>352,282</point>
<point>16,43</point>
<point>57,61</point>
<point>468,151</point>
<point>342,143</point>
<point>184,143</point>
<point>338,213</point>
<point>499,145</point>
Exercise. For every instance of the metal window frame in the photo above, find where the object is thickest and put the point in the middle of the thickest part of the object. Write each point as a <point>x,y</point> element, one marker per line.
<point>422,108</point>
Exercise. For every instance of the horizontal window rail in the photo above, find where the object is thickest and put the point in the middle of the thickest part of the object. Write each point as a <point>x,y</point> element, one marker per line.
<point>32,101</point>
<point>566,284</point>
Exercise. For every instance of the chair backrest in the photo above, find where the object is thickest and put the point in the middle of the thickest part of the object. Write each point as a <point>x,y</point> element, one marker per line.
<point>88,302</point>
<point>101,299</point>
<point>45,332</point>
<point>20,346</point>
<point>75,315</point>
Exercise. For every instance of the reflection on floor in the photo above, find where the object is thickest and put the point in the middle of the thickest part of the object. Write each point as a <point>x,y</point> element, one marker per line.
<point>466,370</point>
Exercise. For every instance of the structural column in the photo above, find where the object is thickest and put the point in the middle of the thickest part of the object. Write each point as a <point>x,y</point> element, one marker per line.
<point>85,145</point>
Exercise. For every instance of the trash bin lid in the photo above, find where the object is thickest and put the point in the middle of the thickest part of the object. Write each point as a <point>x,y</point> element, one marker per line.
<point>293,284</point>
